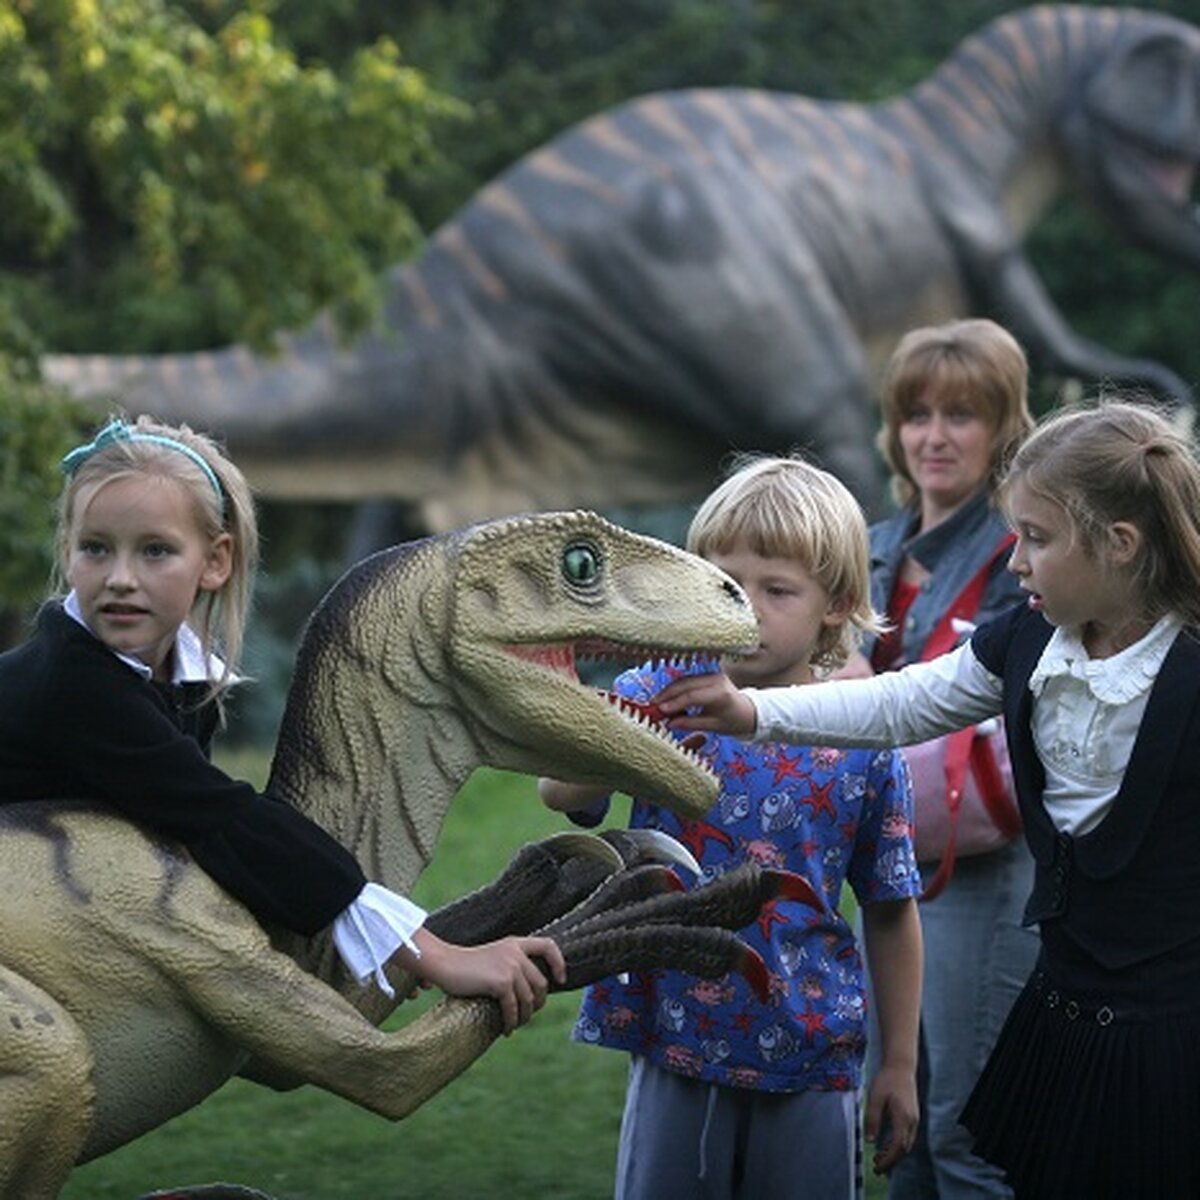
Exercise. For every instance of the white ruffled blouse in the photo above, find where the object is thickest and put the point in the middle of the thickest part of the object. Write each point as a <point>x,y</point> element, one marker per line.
<point>1086,712</point>
<point>1086,716</point>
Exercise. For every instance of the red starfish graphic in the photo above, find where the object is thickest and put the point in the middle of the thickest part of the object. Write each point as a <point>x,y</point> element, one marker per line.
<point>696,835</point>
<point>768,916</point>
<point>813,1022</point>
<point>787,768</point>
<point>738,767</point>
<point>743,1022</point>
<point>819,799</point>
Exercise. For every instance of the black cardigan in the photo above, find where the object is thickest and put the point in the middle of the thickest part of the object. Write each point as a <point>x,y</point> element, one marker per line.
<point>1128,890</point>
<point>77,723</point>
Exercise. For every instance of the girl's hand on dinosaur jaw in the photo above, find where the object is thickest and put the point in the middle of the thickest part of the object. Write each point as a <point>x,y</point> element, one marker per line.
<point>707,704</point>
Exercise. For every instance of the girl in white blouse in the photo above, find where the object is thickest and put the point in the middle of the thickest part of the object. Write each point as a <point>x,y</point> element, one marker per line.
<point>1094,1086</point>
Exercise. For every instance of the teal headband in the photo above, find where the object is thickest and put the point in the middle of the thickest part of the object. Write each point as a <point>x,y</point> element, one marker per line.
<point>118,431</point>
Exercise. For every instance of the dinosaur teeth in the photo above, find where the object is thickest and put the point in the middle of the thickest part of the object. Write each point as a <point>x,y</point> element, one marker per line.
<point>652,718</point>
<point>644,714</point>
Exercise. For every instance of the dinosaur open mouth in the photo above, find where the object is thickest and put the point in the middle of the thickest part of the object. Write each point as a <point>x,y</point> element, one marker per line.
<point>1169,173</point>
<point>563,659</point>
<point>1172,176</point>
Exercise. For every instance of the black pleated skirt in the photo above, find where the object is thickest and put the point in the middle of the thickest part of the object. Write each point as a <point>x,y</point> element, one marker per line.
<point>1092,1095</point>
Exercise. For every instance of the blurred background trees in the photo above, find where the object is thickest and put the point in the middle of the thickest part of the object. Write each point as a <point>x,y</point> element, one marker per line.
<point>176,175</point>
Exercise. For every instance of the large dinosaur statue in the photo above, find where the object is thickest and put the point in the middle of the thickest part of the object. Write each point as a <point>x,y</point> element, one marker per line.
<point>703,269</point>
<point>131,986</point>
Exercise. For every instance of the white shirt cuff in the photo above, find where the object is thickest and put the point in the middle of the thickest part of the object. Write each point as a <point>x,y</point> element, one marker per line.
<point>372,928</point>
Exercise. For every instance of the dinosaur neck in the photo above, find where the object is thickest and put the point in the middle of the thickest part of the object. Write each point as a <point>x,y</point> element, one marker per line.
<point>369,747</point>
<point>995,103</point>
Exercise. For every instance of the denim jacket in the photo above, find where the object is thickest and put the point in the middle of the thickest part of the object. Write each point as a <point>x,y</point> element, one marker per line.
<point>952,553</point>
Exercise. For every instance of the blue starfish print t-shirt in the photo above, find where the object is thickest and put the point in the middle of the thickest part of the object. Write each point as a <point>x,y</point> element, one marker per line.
<point>835,816</point>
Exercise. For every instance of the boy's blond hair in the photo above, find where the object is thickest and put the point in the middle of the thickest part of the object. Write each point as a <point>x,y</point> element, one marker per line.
<point>784,507</point>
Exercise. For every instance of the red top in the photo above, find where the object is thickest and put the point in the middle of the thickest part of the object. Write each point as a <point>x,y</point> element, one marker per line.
<point>886,654</point>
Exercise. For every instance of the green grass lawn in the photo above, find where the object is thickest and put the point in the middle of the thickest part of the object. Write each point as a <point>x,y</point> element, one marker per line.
<point>537,1116</point>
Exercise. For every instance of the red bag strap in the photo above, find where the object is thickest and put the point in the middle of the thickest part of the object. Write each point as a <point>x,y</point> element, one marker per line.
<point>962,746</point>
<point>958,752</point>
<point>965,604</point>
<point>992,789</point>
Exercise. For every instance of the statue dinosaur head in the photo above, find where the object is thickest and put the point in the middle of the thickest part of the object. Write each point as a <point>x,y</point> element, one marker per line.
<point>533,596</point>
<point>1131,131</point>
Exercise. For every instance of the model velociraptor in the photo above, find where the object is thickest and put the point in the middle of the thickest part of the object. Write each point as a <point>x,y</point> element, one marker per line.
<point>131,986</point>
<point>703,269</point>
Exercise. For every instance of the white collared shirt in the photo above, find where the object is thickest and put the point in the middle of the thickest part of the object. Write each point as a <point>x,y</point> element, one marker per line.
<point>188,664</point>
<point>1086,717</point>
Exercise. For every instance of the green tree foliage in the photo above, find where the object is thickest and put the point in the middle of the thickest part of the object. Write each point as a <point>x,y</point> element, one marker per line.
<point>174,177</point>
<point>169,185</point>
<point>37,426</point>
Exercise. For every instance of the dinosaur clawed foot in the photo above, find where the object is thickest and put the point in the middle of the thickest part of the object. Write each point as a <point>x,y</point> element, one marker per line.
<point>613,905</point>
<point>704,951</point>
<point>548,878</point>
<point>640,921</point>
<point>731,901</point>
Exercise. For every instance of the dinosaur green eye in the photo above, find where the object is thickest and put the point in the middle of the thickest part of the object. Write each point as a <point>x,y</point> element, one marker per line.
<point>581,563</point>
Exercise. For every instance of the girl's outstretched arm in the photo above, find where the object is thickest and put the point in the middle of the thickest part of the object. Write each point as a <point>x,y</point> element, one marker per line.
<point>505,970</point>
<point>715,705</point>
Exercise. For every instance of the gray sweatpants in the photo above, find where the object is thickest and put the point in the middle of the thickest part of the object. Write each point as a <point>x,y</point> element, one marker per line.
<point>682,1139</point>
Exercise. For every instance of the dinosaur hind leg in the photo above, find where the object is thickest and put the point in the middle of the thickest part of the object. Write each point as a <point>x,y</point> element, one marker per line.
<point>45,1089</point>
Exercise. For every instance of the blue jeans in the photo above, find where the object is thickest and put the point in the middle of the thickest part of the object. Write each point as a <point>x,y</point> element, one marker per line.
<point>977,957</point>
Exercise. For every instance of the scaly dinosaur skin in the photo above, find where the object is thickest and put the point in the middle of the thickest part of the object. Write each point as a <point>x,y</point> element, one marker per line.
<point>715,267</point>
<point>131,986</point>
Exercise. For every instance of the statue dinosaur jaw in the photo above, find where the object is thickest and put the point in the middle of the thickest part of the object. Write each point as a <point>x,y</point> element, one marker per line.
<point>1151,174</point>
<point>655,764</point>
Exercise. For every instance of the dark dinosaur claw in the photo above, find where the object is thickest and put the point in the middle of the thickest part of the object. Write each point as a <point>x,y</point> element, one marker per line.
<point>706,951</point>
<point>649,845</point>
<point>787,885</point>
<point>754,971</point>
<point>627,887</point>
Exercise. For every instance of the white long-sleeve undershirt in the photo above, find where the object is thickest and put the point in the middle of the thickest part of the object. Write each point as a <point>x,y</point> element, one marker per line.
<point>896,708</point>
<point>1086,713</point>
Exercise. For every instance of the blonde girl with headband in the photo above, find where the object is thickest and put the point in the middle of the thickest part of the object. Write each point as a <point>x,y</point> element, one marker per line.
<point>116,696</point>
<point>1093,1088</point>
